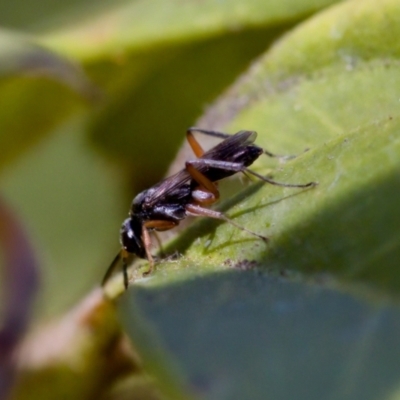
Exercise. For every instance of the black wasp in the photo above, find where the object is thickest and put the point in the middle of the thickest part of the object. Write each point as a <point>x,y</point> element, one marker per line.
<point>188,192</point>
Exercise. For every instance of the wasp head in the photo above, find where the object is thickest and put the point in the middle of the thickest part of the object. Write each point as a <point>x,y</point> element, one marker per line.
<point>131,237</point>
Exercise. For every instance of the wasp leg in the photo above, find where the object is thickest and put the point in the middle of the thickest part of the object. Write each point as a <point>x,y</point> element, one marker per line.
<point>272,182</point>
<point>237,167</point>
<point>159,244</point>
<point>223,135</point>
<point>273,155</point>
<point>159,225</point>
<point>147,244</point>
<point>209,132</point>
<point>123,256</point>
<point>281,156</point>
<point>194,144</point>
<point>225,165</point>
<point>227,135</point>
<point>207,192</point>
<point>198,211</point>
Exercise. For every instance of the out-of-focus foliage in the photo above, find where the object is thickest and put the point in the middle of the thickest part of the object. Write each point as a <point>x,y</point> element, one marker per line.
<point>95,98</point>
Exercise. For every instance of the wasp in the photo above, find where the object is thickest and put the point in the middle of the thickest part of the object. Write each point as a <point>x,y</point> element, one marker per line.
<point>189,192</point>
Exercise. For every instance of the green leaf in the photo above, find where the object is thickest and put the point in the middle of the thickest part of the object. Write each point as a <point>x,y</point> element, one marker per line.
<point>317,315</point>
<point>161,62</point>
<point>38,89</point>
<point>244,335</point>
<point>144,24</point>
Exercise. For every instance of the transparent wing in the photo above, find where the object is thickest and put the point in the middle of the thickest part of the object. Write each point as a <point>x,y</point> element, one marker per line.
<point>231,145</point>
<point>223,151</point>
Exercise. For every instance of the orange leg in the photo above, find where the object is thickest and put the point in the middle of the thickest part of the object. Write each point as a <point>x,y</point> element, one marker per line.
<point>147,244</point>
<point>159,225</point>
<point>207,192</point>
<point>194,144</point>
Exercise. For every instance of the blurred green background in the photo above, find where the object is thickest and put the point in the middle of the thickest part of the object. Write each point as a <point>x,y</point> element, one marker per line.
<point>95,97</point>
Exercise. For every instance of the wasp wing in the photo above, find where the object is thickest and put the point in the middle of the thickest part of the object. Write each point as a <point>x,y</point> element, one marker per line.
<point>223,151</point>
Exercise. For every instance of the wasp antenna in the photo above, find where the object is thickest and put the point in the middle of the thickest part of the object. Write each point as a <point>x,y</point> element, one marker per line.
<point>111,268</point>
